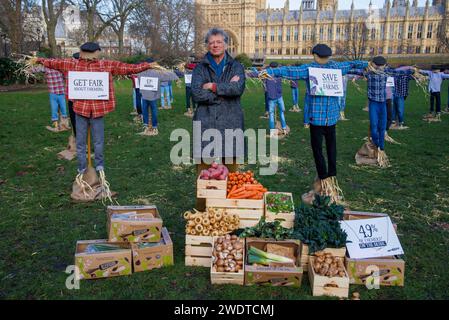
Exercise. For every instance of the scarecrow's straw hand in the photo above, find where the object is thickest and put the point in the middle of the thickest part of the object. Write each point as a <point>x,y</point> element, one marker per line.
<point>264,75</point>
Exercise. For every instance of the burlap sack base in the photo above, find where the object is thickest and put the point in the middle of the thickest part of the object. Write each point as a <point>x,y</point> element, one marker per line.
<point>92,179</point>
<point>57,130</point>
<point>398,128</point>
<point>367,150</point>
<point>363,160</point>
<point>67,155</point>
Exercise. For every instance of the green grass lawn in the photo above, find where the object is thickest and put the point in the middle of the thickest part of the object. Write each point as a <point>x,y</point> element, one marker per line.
<point>40,225</point>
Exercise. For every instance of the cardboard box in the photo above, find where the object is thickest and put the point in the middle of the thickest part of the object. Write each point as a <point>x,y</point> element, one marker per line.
<point>273,276</point>
<point>102,264</point>
<point>134,231</point>
<point>156,256</point>
<point>391,271</point>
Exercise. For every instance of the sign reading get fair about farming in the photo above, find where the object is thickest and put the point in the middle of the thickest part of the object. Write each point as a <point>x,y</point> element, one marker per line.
<point>88,85</point>
<point>326,82</point>
<point>371,238</point>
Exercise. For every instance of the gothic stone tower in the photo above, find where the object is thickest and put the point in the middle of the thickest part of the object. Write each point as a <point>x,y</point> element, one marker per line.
<point>237,18</point>
<point>326,5</point>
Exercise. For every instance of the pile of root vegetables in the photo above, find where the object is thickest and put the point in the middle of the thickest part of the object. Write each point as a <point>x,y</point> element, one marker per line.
<point>213,222</point>
<point>243,185</point>
<point>215,172</point>
<point>227,255</point>
<point>325,264</point>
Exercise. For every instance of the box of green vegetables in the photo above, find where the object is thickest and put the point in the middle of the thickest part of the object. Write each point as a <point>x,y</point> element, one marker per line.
<point>134,224</point>
<point>280,206</point>
<point>99,259</point>
<point>148,255</point>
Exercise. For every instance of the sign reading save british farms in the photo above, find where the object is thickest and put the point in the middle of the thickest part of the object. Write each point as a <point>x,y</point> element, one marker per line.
<point>326,82</point>
<point>88,85</point>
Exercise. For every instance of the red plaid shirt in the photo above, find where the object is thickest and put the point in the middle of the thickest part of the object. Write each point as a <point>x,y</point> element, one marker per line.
<point>94,108</point>
<point>54,79</point>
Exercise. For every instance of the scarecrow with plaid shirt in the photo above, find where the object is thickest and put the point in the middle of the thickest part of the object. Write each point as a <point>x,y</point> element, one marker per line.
<point>90,115</point>
<point>377,76</point>
<point>321,114</point>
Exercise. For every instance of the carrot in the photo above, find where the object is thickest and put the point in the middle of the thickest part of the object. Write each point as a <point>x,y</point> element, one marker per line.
<point>234,187</point>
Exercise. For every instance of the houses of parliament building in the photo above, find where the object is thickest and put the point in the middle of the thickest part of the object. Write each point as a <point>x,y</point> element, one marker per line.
<point>400,27</point>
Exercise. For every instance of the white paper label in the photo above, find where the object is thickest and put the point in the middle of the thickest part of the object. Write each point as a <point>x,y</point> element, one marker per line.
<point>136,83</point>
<point>88,85</point>
<point>149,84</point>
<point>188,78</point>
<point>371,238</point>
<point>326,82</point>
<point>390,82</point>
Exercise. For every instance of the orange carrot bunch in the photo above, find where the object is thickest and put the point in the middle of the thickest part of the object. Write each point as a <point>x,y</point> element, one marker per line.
<point>243,185</point>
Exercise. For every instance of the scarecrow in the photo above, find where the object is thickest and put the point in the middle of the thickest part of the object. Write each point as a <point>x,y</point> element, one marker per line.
<point>321,114</point>
<point>436,78</point>
<point>90,113</point>
<point>377,75</point>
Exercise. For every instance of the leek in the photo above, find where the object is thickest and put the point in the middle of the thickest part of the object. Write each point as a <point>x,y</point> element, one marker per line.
<point>261,257</point>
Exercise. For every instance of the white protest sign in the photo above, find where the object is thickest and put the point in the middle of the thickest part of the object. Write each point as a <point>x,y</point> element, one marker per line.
<point>136,83</point>
<point>326,82</point>
<point>88,85</point>
<point>149,84</point>
<point>188,78</point>
<point>371,238</point>
<point>390,82</point>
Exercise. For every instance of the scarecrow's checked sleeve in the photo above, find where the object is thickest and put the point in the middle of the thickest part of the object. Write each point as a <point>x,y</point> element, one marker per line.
<point>346,66</point>
<point>404,71</point>
<point>63,65</point>
<point>123,69</point>
<point>290,73</point>
<point>233,89</point>
<point>425,72</point>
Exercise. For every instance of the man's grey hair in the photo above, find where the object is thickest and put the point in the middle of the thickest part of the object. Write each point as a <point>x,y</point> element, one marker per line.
<point>215,32</point>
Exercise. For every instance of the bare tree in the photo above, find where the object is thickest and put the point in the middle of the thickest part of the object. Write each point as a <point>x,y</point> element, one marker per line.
<point>166,27</point>
<point>98,17</point>
<point>52,10</point>
<point>354,47</point>
<point>123,8</point>
<point>12,15</point>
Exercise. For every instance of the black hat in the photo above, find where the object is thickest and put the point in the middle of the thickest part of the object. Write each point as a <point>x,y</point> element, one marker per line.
<point>76,55</point>
<point>149,60</point>
<point>90,47</point>
<point>322,50</point>
<point>380,61</point>
<point>274,64</point>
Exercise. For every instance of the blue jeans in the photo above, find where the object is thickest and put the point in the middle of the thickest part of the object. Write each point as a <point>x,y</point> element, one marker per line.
<point>57,102</point>
<point>295,95</point>
<point>145,113</point>
<point>165,92</point>
<point>272,105</point>
<point>378,122</point>
<point>170,86</point>
<point>97,133</point>
<point>398,108</point>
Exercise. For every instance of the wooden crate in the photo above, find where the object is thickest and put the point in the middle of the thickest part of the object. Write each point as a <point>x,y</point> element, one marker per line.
<point>328,286</point>
<point>228,277</point>
<point>249,211</point>
<point>198,251</point>
<point>339,252</point>
<point>288,217</point>
<point>215,189</point>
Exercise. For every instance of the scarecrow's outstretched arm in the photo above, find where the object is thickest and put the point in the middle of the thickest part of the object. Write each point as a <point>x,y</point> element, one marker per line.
<point>123,69</point>
<point>63,65</point>
<point>347,66</point>
<point>290,73</point>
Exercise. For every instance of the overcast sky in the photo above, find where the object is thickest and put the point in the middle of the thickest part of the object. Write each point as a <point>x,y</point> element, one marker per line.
<point>342,4</point>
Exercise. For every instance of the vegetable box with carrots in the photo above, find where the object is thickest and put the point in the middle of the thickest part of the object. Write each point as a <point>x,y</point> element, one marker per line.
<point>243,185</point>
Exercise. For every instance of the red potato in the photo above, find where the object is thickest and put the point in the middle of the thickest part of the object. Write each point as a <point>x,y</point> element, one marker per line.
<point>215,174</point>
<point>214,165</point>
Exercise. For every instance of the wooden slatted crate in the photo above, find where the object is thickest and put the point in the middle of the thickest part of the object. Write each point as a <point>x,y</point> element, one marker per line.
<point>228,277</point>
<point>249,211</point>
<point>198,251</point>
<point>288,217</point>
<point>327,286</point>
<point>339,252</point>
<point>215,189</point>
